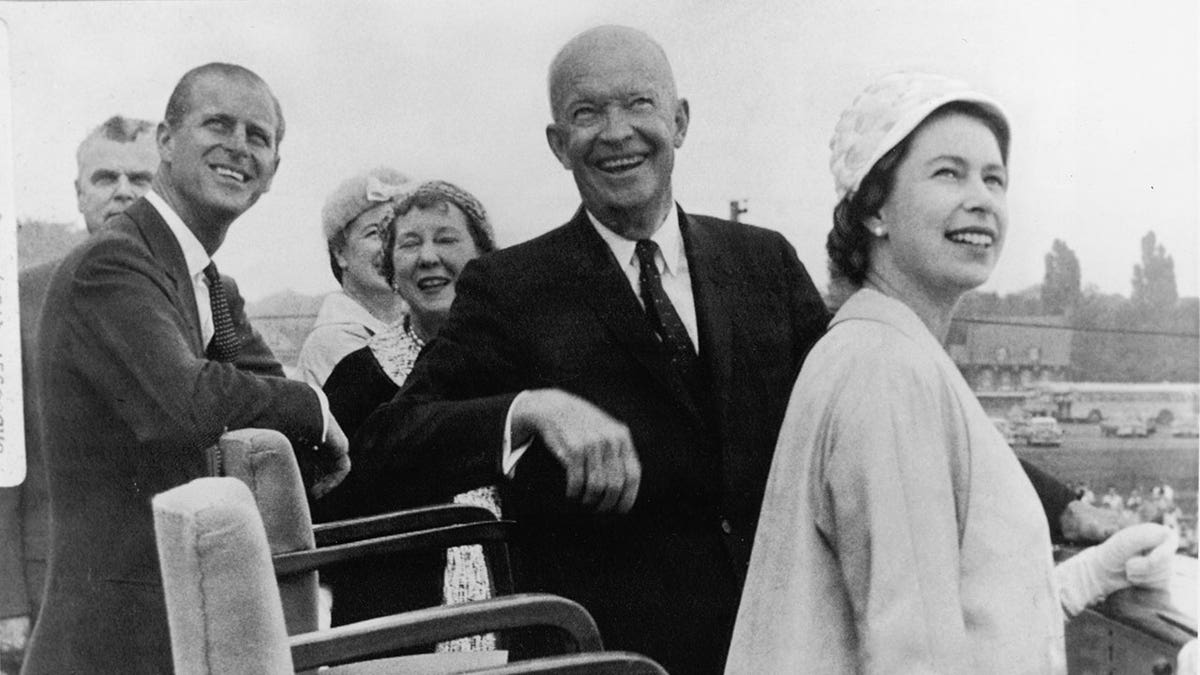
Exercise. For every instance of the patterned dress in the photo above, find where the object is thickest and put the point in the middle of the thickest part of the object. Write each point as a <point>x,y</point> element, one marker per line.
<point>466,576</point>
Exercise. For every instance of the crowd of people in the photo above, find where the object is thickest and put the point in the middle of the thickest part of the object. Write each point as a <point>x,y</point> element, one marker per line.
<point>1156,505</point>
<point>725,475</point>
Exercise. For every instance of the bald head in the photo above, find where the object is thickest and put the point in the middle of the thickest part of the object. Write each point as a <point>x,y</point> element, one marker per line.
<point>608,46</point>
<point>617,124</point>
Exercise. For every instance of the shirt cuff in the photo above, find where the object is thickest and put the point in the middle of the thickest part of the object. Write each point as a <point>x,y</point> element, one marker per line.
<point>324,400</point>
<point>509,455</point>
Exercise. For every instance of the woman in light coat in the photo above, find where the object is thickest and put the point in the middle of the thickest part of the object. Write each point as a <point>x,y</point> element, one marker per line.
<point>899,533</point>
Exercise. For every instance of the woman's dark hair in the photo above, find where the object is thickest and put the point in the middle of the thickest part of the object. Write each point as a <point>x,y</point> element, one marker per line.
<point>335,246</point>
<point>440,196</point>
<point>849,242</point>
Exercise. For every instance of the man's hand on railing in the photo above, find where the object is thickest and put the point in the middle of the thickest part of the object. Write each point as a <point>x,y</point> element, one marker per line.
<point>332,460</point>
<point>1135,556</point>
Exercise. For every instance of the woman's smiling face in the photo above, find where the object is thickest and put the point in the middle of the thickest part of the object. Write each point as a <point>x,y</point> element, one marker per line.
<point>947,214</point>
<point>431,247</point>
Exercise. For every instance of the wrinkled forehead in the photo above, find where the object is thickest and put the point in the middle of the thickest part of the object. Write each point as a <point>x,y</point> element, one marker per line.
<point>609,63</point>
<point>238,95</point>
<point>140,155</point>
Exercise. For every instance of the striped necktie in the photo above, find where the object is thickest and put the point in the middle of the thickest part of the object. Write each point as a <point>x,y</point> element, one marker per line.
<point>224,345</point>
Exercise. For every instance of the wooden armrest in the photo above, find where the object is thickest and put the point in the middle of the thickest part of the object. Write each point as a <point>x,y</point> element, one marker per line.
<point>596,663</point>
<point>495,531</point>
<point>398,522</point>
<point>376,637</point>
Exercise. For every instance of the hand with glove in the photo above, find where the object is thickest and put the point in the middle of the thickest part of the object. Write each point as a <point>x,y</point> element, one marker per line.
<point>1140,555</point>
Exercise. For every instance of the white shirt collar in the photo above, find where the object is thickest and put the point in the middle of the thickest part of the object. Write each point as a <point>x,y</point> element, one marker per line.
<point>667,236</point>
<point>194,254</point>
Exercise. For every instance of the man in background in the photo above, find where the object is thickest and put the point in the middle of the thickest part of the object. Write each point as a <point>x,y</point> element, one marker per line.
<point>116,162</point>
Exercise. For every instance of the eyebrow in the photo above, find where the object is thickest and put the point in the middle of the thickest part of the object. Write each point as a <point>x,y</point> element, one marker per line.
<point>959,160</point>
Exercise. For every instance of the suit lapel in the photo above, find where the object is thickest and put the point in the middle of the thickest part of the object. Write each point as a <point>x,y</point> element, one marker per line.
<point>709,267</point>
<point>165,249</point>
<point>604,287</point>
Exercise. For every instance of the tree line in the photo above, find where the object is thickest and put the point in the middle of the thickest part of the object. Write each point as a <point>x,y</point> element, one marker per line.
<point>1150,336</point>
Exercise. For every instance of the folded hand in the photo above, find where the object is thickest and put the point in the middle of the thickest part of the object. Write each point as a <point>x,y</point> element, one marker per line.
<point>596,450</point>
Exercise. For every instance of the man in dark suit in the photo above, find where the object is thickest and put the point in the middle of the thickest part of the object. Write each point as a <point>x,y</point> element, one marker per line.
<point>116,162</point>
<point>146,358</point>
<point>632,445</point>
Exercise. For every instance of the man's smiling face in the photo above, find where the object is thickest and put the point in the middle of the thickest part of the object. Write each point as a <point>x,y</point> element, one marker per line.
<point>222,155</point>
<point>617,125</point>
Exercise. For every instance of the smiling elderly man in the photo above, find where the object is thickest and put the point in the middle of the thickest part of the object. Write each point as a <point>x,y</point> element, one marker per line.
<point>642,355</point>
<point>147,357</point>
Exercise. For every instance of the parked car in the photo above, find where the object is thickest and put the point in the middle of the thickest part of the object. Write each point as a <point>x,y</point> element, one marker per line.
<point>1129,427</point>
<point>1044,431</point>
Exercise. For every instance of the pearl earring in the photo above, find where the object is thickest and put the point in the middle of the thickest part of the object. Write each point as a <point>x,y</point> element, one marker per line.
<point>878,232</point>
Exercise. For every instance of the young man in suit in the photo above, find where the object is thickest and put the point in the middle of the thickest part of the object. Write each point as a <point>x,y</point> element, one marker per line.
<point>116,162</point>
<point>146,359</point>
<point>629,413</point>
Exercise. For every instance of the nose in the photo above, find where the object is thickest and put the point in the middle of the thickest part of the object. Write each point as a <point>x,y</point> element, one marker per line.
<point>123,190</point>
<point>616,125</point>
<point>980,197</point>
<point>428,255</point>
<point>238,141</point>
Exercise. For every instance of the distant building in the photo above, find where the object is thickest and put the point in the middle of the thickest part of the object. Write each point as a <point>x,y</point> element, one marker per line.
<point>284,335</point>
<point>1006,361</point>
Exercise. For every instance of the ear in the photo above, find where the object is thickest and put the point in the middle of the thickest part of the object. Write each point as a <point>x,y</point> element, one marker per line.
<point>682,116</point>
<point>163,137</point>
<point>267,185</point>
<point>556,139</point>
<point>873,221</point>
<point>340,256</point>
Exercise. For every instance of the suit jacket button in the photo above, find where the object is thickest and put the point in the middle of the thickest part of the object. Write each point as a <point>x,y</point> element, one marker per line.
<point>726,526</point>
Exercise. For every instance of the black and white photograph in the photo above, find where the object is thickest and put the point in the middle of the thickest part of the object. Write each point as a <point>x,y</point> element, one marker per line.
<point>599,336</point>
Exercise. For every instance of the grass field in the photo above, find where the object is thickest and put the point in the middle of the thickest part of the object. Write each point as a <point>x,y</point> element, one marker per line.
<point>1087,457</point>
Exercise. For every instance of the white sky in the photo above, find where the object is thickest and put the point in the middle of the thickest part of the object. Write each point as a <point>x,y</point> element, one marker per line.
<point>1102,97</point>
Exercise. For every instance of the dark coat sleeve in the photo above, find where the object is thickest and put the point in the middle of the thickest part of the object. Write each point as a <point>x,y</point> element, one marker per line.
<point>169,397</point>
<point>443,431</point>
<point>1054,496</point>
<point>355,387</point>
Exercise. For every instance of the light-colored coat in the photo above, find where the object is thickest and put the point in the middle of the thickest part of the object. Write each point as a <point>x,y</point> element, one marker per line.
<point>899,533</point>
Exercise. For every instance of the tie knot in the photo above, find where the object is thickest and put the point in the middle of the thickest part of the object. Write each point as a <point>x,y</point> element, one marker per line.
<point>211,273</point>
<point>645,250</point>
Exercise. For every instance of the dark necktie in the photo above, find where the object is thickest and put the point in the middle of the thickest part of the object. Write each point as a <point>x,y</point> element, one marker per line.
<point>662,313</point>
<point>224,345</point>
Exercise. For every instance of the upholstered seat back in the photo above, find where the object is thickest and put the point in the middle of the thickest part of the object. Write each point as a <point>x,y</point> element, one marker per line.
<point>223,603</point>
<point>264,461</point>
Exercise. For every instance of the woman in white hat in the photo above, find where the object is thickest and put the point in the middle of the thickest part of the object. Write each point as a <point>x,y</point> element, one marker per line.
<point>899,533</point>
<point>353,220</point>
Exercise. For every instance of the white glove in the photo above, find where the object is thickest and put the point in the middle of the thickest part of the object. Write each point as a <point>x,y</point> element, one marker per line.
<point>1140,555</point>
